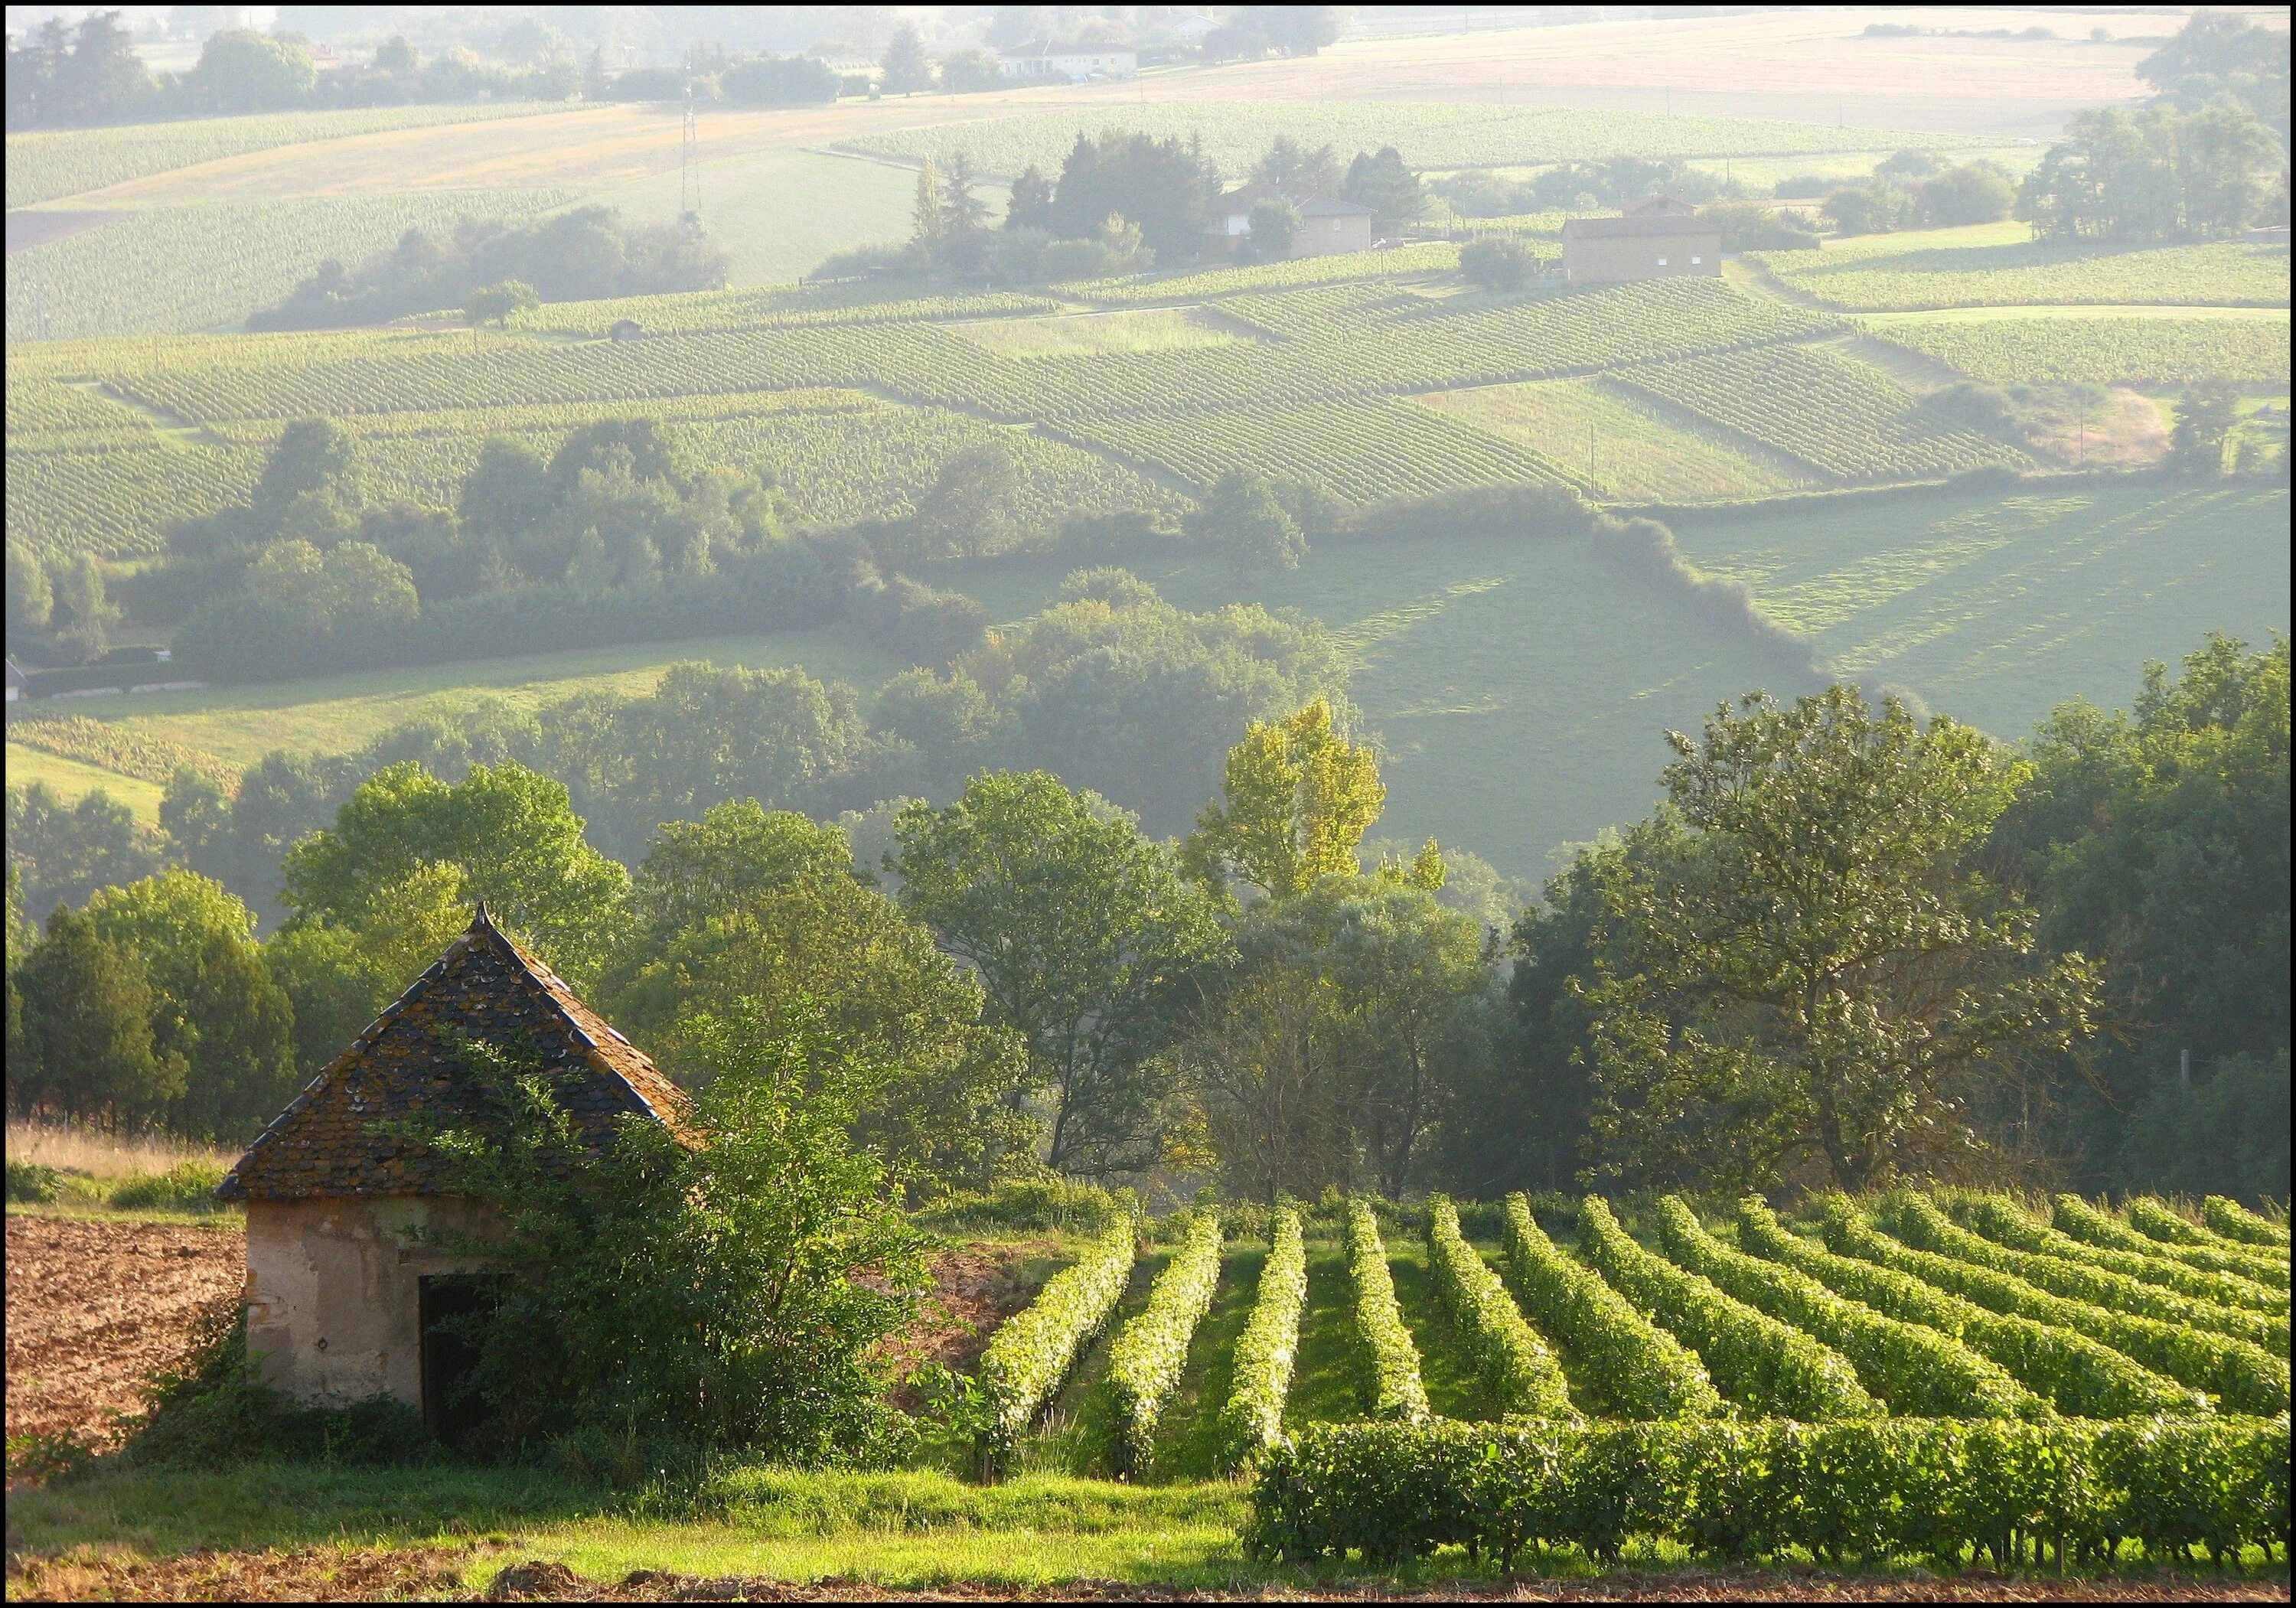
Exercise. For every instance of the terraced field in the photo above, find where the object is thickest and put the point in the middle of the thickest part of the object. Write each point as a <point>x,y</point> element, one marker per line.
<point>1890,1327</point>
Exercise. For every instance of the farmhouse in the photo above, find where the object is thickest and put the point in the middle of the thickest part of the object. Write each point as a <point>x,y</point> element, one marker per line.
<point>343,1302</point>
<point>1656,238</point>
<point>1325,225</point>
<point>1044,60</point>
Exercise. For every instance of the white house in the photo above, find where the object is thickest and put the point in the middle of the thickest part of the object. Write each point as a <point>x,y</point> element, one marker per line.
<point>1046,60</point>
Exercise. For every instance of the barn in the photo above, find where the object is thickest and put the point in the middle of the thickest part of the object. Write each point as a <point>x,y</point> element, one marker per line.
<point>343,1296</point>
<point>1656,239</point>
<point>1326,225</point>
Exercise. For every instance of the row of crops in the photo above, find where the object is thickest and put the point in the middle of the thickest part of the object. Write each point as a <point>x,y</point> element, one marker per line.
<point>173,270</point>
<point>1888,273</point>
<point>47,165</point>
<point>1236,133</point>
<point>2005,1373</point>
<point>2131,347</point>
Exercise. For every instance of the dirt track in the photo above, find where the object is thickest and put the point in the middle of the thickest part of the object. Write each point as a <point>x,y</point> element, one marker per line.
<point>94,1305</point>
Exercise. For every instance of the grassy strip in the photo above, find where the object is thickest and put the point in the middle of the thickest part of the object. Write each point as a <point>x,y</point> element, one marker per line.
<point>2243,1377</point>
<point>1261,1376</point>
<point>1150,1351</point>
<point>1917,1370</point>
<point>1764,1366</point>
<point>1637,1368</point>
<point>2152,1230</point>
<point>2001,1221</point>
<point>1392,1388</point>
<point>2081,1375</point>
<point>1519,1375</point>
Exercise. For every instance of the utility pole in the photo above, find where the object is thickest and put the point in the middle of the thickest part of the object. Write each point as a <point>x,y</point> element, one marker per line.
<point>689,167</point>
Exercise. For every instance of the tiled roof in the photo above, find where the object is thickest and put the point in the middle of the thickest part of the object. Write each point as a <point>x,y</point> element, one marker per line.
<point>484,987</point>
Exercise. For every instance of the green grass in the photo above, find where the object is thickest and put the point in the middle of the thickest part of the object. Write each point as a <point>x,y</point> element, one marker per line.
<point>1327,1371</point>
<point>71,779</point>
<point>1629,447</point>
<point>334,714</point>
<point>1996,609</point>
<point>1190,1444</point>
<point>1453,1391</point>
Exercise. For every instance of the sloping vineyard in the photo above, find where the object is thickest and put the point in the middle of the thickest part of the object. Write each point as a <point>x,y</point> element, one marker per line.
<point>2116,348</point>
<point>1884,273</point>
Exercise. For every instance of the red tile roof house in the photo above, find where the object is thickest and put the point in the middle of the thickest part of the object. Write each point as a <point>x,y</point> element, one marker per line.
<point>342,1299</point>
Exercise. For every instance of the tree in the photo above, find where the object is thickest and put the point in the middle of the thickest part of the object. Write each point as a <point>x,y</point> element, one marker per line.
<point>1084,938</point>
<point>84,614</point>
<point>961,210</point>
<point>1974,193</point>
<point>86,1033</point>
<point>2216,55</point>
<point>498,304</point>
<point>968,512</point>
<point>512,835</point>
<point>1295,803</point>
<point>397,57</point>
<point>2206,415</point>
<point>969,71</point>
<point>1868,208</point>
<point>1296,30</point>
<point>1497,262</point>
<point>65,852</point>
<point>927,217</point>
<point>1297,173</point>
<point>780,81</point>
<point>313,457</point>
<point>1161,185</point>
<point>1389,188</point>
<point>242,70</point>
<point>1813,971</point>
<point>216,1009</point>
<point>1241,517</point>
<point>1274,225</point>
<point>906,66</point>
<point>729,1288</point>
<point>104,79</point>
<point>31,597</point>
<point>1029,206</point>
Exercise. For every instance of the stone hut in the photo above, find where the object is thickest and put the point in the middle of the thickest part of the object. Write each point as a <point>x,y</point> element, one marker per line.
<point>1660,238</point>
<point>625,329</point>
<point>342,1304</point>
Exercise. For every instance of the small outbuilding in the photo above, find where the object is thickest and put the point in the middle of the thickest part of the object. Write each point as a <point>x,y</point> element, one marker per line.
<point>624,328</point>
<point>344,1299</point>
<point>1662,238</point>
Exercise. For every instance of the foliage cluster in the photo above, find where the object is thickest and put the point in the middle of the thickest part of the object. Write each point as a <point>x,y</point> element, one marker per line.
<point>1150,1351</point>
<point>1260,1376</point>
<point>1032,1353</point>
<point>1520,1377</point>
<point>1390,1362</point>
<point>2004,1221</point>
<point>2152,1229</point>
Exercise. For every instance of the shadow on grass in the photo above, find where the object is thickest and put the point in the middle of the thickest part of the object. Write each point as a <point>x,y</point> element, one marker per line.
<point>1190,1443</point>
<point>1327,1382</point>
<point>1453,1391</point>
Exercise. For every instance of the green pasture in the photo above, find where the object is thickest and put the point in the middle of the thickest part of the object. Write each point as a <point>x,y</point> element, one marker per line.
<point>1994,608</point>
<point>70,779</point>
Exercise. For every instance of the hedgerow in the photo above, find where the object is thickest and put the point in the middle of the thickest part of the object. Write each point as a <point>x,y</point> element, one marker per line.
<point>2081,1375</point>
<point>1913,1368</point>
<point>2152,1231</point>
<point>1933,1489</point>
<point>1640,1370</point>
<point>1520,1375</point>
<point>2246,1378</point>
<point>1917,1220</point>
<point>1149,1352</point>
<point>1028,1357</point>
<point>1391,1362</point>
<point>2235,1221</point>
<point>1260,1377</point>
<point>2004,1223</point>
<point>1762,1364</point>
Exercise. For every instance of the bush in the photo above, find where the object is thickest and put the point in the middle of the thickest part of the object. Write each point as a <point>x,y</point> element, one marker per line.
<point>1520,1375</point>
<point>1751,226</point>
<point>2079,1375</point>
<point>33,1184</point>
<point>1048,1205</point>
<point>188,1186</point>
<point>1149,1353</point>
<point>1391,1386</point>
<point>779,81</point>
<point>1761,1364</point>
<point>1871,1489</point>
<point>1029,1357</point>
<point>1642,1371</point>
<point>1260,1377</point>
<point>1498,262</point>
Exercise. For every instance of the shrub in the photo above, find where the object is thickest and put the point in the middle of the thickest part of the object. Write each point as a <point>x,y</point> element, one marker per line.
<point>1260,1378</point>
<point>1391,1362</point>
<point>33,1184</point>
<point>2079,1375</point>
<point>1875,1490</point>
<point>1641,1371</point>
<point>1914,1369</point>
<point>187,1187</point>
<point>1048,1204</point>
<point>2235,1221</point>
<point>1520,1375</point>
<point>1029,1357</point>
<point>1146,1361</point>
<point>2166,1236</point>
<point>2247,1378</point>
<point>1763,1365</point>
<point>1498,262</point>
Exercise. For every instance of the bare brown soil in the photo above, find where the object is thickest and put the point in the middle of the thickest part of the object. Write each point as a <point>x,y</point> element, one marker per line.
<point>94,1305</point>
<point>436,1574</point>
<point>975,1288</point>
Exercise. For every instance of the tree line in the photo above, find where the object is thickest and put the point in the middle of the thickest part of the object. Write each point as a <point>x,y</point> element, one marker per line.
<point>1850,946</point>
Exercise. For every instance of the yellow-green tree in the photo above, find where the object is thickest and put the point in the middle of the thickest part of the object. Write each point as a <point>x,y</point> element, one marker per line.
<point>1294,804</point>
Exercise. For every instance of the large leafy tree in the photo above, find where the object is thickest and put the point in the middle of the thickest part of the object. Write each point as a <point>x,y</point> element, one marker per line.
<point>765,906</point>
<point>1086,939</point>
<point>1295,801</point>
<point>1816,974</point>
<point>83,1043</point>
<point>511,836</point>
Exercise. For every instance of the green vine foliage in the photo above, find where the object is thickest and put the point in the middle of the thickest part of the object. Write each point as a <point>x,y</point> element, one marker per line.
<point>2235,1221</point>
<point>1146,1361</point>
<point>2155,1231</point>
<point>1029,1357</point>
<point>1261,1376</point>
<point>1390,1361</point>
<point>1519,1375</point>
<point>2003,1222</point>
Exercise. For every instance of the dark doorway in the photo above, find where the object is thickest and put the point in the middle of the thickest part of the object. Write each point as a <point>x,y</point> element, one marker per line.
<point>451,1303</point>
